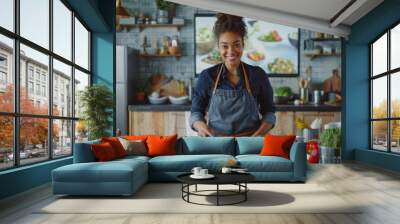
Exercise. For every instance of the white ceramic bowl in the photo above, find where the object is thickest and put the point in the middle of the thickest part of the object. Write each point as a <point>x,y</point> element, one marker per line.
<point>179,100</point>
<point>160,100</point>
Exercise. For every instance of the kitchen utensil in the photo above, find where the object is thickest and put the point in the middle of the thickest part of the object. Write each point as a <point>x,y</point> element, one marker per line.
<point>317,97</point>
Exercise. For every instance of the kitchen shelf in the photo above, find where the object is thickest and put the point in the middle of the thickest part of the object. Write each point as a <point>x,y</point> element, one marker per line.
<point>324,39</point>
<point>313,56</point>
<point>144,26</point>
<point>161,55</point>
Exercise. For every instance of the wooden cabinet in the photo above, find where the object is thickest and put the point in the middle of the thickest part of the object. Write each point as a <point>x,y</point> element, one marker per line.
<point>160,123</point>
<point>171,122</point>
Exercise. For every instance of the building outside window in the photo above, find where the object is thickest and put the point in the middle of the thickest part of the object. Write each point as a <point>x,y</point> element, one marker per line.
<point>30,87</point>
<point>34,56</point>
<point>385,96</point>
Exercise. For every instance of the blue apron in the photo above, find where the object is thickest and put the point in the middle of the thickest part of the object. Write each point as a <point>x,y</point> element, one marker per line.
<point>233,112</point>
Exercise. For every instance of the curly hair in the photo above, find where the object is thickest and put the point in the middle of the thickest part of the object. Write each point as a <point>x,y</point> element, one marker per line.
<point>229,23</point>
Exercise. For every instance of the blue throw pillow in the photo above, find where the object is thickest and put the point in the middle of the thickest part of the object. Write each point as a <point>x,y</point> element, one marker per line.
<point>207,145</point>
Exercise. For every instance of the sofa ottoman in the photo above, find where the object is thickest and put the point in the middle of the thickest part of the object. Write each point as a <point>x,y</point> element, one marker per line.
<point>123,177</point>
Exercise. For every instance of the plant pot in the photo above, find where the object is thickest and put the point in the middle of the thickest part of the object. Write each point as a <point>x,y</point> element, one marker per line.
<point>327,155</point>
<point>281,99</point>
<point>140,97</point>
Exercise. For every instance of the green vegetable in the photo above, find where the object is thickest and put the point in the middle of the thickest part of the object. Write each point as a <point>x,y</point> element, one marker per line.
<point>205,35</point>
<point>331,138</point>
<point>283,91</point>
<point>215,55</point>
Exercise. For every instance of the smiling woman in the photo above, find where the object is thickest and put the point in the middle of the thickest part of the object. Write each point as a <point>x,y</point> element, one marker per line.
<point>235,93</point>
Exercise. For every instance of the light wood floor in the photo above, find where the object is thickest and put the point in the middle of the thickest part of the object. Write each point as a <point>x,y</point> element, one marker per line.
<point>378,188</point>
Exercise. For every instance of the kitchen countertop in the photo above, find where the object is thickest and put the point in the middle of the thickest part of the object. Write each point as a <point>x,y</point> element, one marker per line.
<point>279,108</point>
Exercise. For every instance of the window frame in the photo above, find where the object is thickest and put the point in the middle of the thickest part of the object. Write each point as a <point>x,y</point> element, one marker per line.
<point>16,114</point>
<point>388,74</point>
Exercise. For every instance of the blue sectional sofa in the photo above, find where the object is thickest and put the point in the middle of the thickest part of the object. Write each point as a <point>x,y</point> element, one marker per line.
<point>125,176</point>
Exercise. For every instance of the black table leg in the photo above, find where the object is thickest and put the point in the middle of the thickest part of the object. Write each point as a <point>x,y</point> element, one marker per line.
<point>196,188</point>
<point>245,193</point>
<point>217,194</point>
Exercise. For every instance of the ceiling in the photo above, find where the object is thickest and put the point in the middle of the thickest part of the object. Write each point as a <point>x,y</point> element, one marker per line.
<point>316,15</point>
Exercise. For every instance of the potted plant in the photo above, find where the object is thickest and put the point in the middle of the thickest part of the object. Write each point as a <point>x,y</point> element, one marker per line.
<point>97,103</point>
<point>330,141</point>
<point>282,94</point>
<point>165,10</point>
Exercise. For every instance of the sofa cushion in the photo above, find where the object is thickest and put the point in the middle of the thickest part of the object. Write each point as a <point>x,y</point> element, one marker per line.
<point>134,147</point>
<point>116,145</point>
<point>103,152</point>
<point>277,145</point>
<point>257,163</point>
<point>185,163</point>
<point>112,171</point>
<point>83,152</point>
<point>206,145</point>
<point>249,145</point>
<point>161,145</point>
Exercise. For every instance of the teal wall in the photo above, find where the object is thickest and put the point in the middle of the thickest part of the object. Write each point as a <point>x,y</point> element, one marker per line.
<point>102,63</point>
<point>99,16</point>
<point>356,121</point>
<point>24,178</point>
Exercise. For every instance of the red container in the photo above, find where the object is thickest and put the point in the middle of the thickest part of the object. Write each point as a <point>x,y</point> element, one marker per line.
<point>312,151</point>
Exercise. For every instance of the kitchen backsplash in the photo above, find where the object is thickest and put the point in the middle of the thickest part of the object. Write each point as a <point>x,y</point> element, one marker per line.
<point>184,68</point>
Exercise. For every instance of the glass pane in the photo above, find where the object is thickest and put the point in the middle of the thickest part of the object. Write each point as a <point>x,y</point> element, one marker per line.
<point>7,14</point>
<point>62,89</point>
<point>6,142</point>
<point>62,30</point>
<point>33,139</point>
<point>81,45</point>
<point>34,96</point>
<point>62,138</point>
<point>35,21</point>
<point>81,131</point>
<point>379,98</point>
<point>395,47</point>
<point>6,74</point>
<point>395,95</point>
<point>379,55</point>
<point>81,81</point>
<point>395,136</point>
<point>379,135</point>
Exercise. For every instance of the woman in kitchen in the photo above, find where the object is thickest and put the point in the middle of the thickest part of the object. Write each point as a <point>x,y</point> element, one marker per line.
<point>238,97</point>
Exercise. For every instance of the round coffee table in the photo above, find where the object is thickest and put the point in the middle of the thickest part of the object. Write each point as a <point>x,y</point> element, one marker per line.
<point>238,179</point>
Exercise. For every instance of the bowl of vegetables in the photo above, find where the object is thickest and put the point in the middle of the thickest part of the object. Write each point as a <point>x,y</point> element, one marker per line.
<point>270,38</point>
<point>282,95</point>
<point>256,57</point>
<point>205,41</point>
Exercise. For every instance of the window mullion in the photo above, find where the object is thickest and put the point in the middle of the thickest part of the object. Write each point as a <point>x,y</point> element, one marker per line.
<point>16,85</point>
<point>73,81</point>
<point>50,81</point>
<point>389,114</point>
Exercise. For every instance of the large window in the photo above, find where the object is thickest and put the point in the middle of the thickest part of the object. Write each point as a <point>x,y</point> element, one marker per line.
<point>44,64</point>
<point>385,95</point>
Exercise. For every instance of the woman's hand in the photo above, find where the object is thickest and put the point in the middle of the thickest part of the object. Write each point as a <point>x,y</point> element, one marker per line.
<point>263,129</point>
<point>202,129</point>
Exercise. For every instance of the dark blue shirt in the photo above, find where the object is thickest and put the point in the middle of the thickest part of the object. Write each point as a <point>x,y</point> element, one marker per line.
<point>259,84</point>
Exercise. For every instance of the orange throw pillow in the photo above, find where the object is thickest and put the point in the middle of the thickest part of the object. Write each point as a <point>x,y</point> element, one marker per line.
<point>116,145</point>
<point>161,145</point>
<point>103,152</point>
<point>136,137</point>
<point>277,145</point>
